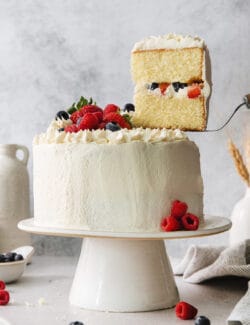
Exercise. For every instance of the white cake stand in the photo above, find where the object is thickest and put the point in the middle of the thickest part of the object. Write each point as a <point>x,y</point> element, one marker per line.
<point>125,272</point>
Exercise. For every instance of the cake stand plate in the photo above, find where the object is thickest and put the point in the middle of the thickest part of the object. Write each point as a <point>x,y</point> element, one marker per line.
<point>125,272</point>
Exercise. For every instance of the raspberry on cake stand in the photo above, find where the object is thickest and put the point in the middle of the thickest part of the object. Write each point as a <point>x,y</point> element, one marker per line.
<point>125,272</point>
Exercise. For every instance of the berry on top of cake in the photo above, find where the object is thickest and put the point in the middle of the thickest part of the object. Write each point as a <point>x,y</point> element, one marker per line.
<point>170,82</point>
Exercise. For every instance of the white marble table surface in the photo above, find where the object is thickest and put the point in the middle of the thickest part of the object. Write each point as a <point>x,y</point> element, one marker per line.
<point>41,297</point>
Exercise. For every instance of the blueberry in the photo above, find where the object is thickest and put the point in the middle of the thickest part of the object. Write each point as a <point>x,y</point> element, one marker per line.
<point>183,85</point>
<point>112,126</point>
<point>2,258</point>
<point>129,107</point>
<point>154,85</point>
<point>176,86</point>
<point>18,257</point>
<point>61,130</point>
<point>10,257</point>
<point>202,320</point>
<point>62,115</point>
<point>76,323</point>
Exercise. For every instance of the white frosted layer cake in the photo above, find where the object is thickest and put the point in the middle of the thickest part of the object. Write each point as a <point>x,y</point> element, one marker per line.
<point>120,181</point>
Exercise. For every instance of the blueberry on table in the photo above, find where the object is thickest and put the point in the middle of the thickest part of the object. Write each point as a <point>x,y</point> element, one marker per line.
<point>154,85</point>
<point>76,323</point>
<point>112,126</point>
<point>62,115</point>
<point>129,107</point>
<point>202,320</point>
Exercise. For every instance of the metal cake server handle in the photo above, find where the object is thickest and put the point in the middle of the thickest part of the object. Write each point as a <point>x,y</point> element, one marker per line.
<point>246,101</point>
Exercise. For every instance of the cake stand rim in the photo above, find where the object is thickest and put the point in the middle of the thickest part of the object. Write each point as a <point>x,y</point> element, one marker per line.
<point>211,225</point>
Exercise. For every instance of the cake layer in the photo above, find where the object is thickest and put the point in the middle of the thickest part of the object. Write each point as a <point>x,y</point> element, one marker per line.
<point>160,111</point>
<point>167,65</point>
<point>125,187</point>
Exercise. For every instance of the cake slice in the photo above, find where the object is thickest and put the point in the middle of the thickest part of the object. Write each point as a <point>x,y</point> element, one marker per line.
<point>170,82</point>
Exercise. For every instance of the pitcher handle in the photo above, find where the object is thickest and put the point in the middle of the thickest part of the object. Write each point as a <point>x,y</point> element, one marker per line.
<point>25,151</point>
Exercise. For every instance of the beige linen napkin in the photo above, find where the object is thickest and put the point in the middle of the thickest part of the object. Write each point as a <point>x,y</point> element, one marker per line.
<point>205,262</point>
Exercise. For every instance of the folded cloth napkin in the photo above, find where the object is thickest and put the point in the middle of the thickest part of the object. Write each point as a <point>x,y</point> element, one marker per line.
<point>205,262</point>
<point>241,313</point>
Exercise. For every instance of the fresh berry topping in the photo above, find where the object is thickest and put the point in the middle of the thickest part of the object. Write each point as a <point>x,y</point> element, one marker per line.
<point>62,115</point>
<point>190,221</point>
<point>184,310</point>
<point>154,85</point>
<point>75,116</point>
<point>194,91</point>
<point>170,223</point>
<point>89,121</point>
<point>102,125</point>
<point>163,87</point>
<point>176,86</point>
<point>114,117</point>
<point>2,285</point>
<point>71,128</point>
<point>76,323</point>
<point>18,257</point>
<point>202,320</point>
<point>61,130</point>
<point>90,109</point>
<point>129,107</point>
<point>99,115</point>
<point>113,126</point>
<point>178,209</point>
<point>4,297</point>
<point>111,108</point>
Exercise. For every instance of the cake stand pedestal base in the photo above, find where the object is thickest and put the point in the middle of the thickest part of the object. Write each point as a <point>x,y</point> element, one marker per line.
<point>125,272</point>
<point>123,276</point>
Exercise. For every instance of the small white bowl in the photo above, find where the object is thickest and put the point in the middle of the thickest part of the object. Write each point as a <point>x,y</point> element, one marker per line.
<point>12,271</point>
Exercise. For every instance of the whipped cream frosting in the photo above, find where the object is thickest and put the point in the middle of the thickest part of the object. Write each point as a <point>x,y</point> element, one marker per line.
<point>106,136</point>
<point>169,41</point>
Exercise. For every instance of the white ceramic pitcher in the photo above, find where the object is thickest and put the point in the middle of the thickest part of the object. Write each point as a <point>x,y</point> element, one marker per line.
<point>240,220</point>
<point>14,196</point>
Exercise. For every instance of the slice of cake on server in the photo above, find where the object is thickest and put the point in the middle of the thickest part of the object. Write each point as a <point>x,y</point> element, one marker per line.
<point>171,89</point>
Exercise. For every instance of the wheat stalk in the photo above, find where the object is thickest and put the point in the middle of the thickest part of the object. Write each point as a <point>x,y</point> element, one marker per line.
<point>239,162</point>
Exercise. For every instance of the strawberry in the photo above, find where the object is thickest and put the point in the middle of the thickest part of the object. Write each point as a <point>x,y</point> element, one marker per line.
<point>102,125</point>
<point>111,108</point>
<point>99,115</point>
<point>163,86</point>
<point>75,116</point>
<point>2,285</point>
<point>170,223</point>
<point>183,310</point>
<point>89,121</point>
<point>178,209</point>
<point>119,119</point>
<point>90,109</point>
<point>4,297</point>
<point>71,128</point>
<point>193,91</point>
<point>190,221</point>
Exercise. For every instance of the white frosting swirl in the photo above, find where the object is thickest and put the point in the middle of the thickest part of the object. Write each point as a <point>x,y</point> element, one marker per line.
<point>53,136</point>
<point>169,41</point>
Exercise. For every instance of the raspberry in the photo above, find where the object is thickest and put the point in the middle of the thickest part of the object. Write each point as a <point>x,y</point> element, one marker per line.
<point>170,223</point>
<point>89,121</point>
<point>114,117</point>
<point>90,109</point>
<point>178,209</point>
<point>184,310</point>
<point>111,108</point>
<point>102,125</point>
<point>4,297</point>
<point>2,285</point>
<point>75,116</point>
<point>190,221</point>
<point>71,128</point>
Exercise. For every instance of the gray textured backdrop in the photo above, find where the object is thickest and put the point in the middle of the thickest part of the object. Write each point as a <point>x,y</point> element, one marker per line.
<point>53,51</point>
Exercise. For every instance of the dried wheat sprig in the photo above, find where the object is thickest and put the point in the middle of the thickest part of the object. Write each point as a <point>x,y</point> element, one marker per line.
<point>239,162</point>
